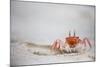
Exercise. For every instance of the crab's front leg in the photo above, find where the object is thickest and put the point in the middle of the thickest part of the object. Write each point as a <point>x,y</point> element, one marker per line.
<point>84,45</point>
<point>67,47</point>
<point>57,47</point>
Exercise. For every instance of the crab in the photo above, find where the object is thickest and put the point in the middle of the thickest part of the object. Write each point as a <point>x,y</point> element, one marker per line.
<point>71,44</point>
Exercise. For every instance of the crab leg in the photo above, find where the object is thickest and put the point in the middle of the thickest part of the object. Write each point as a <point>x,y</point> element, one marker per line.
<point>56,44</point>
<point>86,40</point>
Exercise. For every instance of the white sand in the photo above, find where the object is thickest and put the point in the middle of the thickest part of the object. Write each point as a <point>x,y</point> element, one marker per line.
<point>21,54</point>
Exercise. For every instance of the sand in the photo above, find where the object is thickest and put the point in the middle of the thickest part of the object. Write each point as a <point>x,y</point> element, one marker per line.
<point>32,54</point>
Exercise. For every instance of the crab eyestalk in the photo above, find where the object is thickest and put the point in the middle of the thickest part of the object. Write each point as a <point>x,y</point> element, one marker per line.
<point>69,34</point>
<point>74,34</point>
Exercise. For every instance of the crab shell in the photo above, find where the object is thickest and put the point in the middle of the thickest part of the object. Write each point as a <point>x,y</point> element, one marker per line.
<point>72,41</point>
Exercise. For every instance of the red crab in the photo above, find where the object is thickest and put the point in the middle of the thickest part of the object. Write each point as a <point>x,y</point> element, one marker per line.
<point>71,41</point>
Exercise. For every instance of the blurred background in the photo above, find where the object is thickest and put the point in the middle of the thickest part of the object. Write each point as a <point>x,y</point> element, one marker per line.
<point>44,22</point>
